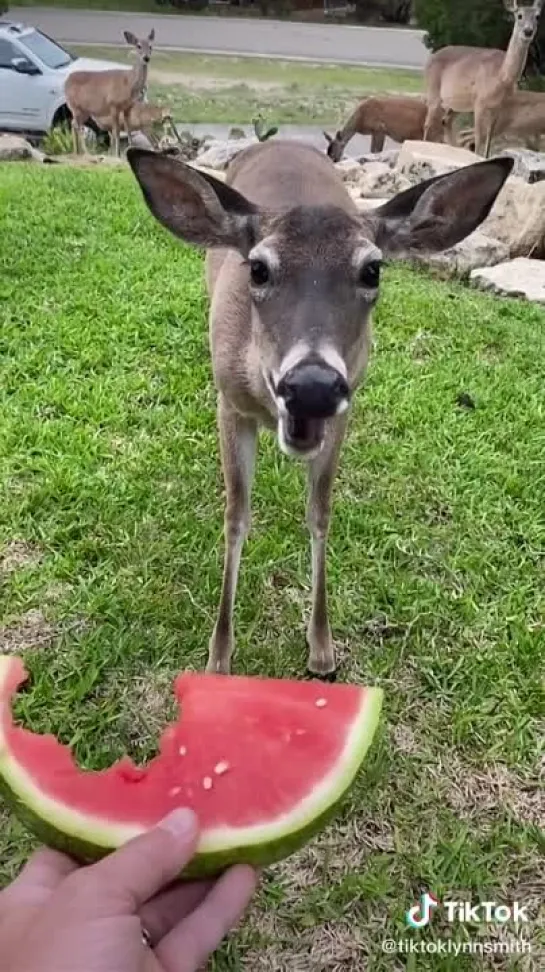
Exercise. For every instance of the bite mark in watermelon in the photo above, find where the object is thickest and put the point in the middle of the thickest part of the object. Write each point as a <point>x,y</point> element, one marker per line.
<point>263,762</point>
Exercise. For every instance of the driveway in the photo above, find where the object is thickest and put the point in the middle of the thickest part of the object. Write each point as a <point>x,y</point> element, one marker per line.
<point>377,46</point>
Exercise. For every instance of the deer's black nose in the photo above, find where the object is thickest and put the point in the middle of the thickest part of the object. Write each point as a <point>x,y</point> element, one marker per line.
<point>313,391</point>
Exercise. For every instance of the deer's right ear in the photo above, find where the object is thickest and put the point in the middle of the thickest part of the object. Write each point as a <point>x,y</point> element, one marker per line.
<point>328,138</point>
<point>130,38</point>
<point>195,207</point>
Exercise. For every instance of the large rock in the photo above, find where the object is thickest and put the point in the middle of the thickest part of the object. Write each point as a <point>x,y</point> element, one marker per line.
<point>477,250</point>
<point>423,160</point>
<point>377,180</point>
<point>517,278</point>
<point>389,156</point>
<point>518,217</point>
<point>14,148</point>
<point>218,154</point>
<point>529,165</point>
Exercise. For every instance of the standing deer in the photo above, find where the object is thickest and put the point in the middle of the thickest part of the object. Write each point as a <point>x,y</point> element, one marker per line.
<point>479,79</point>
<point>522,115</point>
<point>293,274</point>
<point>109,94</point>
<point>397,117</point>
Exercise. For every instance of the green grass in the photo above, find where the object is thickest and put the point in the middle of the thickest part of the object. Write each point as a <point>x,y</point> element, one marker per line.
<point>203,88</point>
<point>109,475</point>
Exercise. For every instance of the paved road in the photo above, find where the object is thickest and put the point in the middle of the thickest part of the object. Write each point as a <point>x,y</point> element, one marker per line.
<point>222,35</point>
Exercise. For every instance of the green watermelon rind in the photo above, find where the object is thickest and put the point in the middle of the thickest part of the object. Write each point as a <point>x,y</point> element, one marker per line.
<point>87,839</point>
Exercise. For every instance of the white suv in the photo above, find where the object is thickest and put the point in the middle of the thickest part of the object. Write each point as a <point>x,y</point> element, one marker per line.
<point>33,69</point>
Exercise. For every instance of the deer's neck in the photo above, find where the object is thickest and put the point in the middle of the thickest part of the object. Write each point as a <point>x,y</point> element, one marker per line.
<point>349,129</point>
<point>139,80</point>
<point>514,61</point>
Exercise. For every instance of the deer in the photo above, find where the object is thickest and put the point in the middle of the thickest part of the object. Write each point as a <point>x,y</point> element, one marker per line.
<point>143,117</point>
<point>479,79</point>
<point>394,116</point>
<point>109,94</point>
<point>522,115</point>
<point>293,274</point>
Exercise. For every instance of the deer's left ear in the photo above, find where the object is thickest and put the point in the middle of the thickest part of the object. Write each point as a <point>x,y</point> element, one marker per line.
<point>440,212</point>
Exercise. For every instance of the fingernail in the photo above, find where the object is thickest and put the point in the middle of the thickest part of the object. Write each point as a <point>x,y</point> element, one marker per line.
<point>181,822</point>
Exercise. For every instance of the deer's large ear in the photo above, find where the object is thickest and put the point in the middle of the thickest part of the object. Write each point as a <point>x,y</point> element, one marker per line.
<point>151,35</point>
<point>130,38</point>
<point>328,138</point>
<point>195,207</point>
<point>438,213</point>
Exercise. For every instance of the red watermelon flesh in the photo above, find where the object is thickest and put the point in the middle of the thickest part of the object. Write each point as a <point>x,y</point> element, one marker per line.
<point>259,760</point>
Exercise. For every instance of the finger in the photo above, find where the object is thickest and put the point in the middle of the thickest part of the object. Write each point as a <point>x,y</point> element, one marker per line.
<point>192,941</point>
<point>160,915</point>
<point>122,882</point>
<point>41,875</point>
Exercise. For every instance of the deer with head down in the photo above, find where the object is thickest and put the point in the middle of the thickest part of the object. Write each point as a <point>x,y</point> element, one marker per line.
<point>394,116</point>
<point>479,79</point>
<point>109,95</point>
<point>293,273</point>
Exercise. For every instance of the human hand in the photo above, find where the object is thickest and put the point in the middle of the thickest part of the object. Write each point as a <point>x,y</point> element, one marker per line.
<point>56,917</point>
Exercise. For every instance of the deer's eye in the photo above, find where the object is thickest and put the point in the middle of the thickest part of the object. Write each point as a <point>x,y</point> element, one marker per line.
<point>259,273</point>
<point>369,275</point>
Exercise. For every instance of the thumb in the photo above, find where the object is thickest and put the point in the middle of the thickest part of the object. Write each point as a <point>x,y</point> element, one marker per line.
<point>127,878</point>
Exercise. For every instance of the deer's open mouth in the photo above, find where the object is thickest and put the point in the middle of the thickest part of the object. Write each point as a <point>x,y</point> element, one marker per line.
<point>301,437</point>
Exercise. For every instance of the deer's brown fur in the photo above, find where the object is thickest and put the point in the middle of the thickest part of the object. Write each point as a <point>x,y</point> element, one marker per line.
<point>293,276</point>
<point>108,94</point>
<point>478,79</point>
<point>396,117</point>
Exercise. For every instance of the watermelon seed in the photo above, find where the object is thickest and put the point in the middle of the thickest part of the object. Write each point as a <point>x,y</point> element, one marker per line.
<point>207,782</point>
<point>221,768</point>
<point>182,750</point>
<point>175,790</point>
<point>320,703</point>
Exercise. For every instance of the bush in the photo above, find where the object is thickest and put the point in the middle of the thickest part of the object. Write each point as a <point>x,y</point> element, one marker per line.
<point>479,23</point>
<point>391,11</point>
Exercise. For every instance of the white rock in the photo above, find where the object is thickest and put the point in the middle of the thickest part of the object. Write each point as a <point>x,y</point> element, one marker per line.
<point>349,170</point>
<point>529,165</point>
<point>432,158</point>
<point>14,148</point>
<point>518,217</point>
<point>219,154</point>
<point>517,278</point>
<point>477,250</point>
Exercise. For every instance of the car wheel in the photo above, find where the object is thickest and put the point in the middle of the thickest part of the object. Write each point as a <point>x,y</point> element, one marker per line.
<point>93,133</point>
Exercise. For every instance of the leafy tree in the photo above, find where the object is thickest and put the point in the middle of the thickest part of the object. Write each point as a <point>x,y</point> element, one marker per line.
<point>391,11</point>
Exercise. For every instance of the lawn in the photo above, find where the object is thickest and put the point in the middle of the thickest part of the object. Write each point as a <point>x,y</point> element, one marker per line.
<point>111,550</point>
<point>202,88</point>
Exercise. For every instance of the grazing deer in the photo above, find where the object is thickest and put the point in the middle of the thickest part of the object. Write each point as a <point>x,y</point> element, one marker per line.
<point>479,79</point>
<point>293,273</point>
<point>522,115</point>
<point>143,117</point>
<point>396,117</point>
<point>108,94</point>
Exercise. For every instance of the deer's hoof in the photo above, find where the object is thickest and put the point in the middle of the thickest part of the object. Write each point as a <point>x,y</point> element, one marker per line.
<point>322,677</point>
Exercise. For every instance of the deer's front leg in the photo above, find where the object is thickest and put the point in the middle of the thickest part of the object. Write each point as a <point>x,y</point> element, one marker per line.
<point>322,471</point>
<point>237,444</point>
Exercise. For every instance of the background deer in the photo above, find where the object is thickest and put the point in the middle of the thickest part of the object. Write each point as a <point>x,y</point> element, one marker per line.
<point>522,115</point>
<point>397,117</point>
<point>479,79</point>
<point>144,117</point>
<point>293,274</point>
<point>108,94</point>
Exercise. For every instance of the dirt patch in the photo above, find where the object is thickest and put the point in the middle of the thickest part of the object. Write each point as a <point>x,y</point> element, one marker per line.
<point>472,793</point>
<point>201,83</point>
<point>18,555</point>
<point>28,631</point>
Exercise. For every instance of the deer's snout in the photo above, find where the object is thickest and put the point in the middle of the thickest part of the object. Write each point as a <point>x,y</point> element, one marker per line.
<point>313,391</point>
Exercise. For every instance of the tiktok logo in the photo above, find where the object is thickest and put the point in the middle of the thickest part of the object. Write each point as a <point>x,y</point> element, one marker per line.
<point>419,915</point>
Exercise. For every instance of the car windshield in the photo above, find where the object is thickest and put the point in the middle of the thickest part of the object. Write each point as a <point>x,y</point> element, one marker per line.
<point>46,50</point>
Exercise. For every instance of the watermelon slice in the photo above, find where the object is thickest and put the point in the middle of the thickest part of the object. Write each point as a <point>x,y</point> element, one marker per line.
<point>263,762</point>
